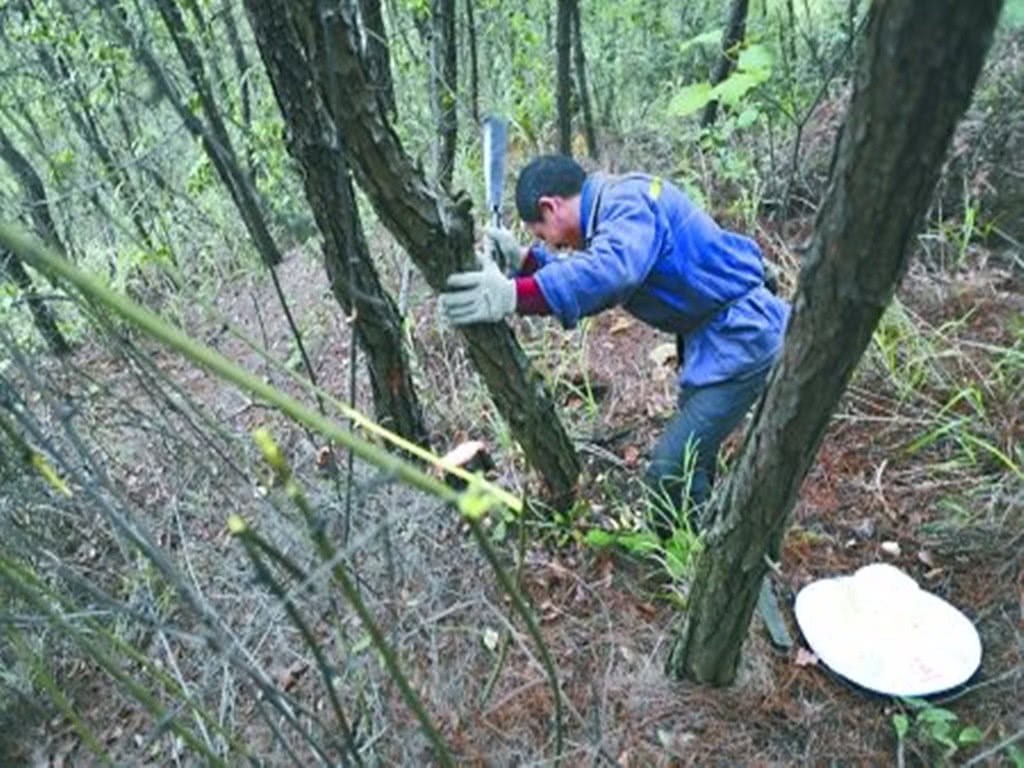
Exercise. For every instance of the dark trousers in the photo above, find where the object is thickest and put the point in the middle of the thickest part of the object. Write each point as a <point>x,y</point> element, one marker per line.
<point>691,440</point>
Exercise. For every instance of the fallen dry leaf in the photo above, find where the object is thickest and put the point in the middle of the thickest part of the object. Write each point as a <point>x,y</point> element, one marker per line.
<point>891,548</point>
<point>293,674</point>
<point>663,353</point>
<point>620,325</point>
<point>805,658</point>
<point>631,456</point>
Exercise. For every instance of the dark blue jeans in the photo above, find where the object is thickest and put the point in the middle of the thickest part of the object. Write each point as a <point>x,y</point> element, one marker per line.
<point>705,418</point>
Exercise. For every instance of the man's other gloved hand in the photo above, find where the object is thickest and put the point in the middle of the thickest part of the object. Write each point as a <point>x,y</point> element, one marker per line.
<point>485,296</point>
<point>510,254</point>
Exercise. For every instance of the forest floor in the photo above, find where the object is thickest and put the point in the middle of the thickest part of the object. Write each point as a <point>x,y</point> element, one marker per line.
<point>955,526</point>
<point>920,468</point>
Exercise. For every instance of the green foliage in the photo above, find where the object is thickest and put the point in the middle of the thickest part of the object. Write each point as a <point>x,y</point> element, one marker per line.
<point>753,67</point>
<point>1013,14</point>
<point>938,730</point>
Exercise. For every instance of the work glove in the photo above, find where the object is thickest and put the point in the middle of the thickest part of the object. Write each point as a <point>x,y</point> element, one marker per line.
<point>484,296</point>
<point>510,254</point>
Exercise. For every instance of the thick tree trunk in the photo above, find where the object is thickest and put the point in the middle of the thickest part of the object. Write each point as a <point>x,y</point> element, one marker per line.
<point>43,318</point>
<point>314,144</point>
<point>563,47</point>
<point>580,65</point>
<point>436,231</point>
<point>734,33</point>
<point>444,73</point>
<point>376,51</point>
<point>919,65</point>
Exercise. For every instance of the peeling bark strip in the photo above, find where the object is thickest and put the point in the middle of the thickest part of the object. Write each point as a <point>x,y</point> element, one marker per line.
<point>354,281</point>
<point>435,229</point>
<point>918,66</point>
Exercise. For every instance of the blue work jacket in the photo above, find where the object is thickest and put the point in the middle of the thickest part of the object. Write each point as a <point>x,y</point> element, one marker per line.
<point>649,249</point>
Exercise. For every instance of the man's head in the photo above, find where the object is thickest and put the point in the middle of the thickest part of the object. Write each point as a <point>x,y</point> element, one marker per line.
<point>548,198</point>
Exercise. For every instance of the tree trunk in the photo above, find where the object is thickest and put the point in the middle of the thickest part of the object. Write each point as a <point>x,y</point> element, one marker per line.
<point>581,81</point>
<point>444,73</point>
<point>377,53</point>
<point>43,318</point>
<point>436,231</point>
<point>314,144</point>
<point>919,65</point>
<point>734,33</point>
<point>474,64</point>
<point>35,194</point>
<point>204,32</point>
<point>563,46</point>
<point>242,72</point>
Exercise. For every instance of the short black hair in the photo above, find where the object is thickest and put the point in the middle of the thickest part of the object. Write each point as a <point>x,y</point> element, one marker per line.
<point>546,176</point>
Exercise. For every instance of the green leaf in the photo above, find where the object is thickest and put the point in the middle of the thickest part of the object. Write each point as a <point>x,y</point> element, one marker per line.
<point>711,37</point>
<point>690,99</point>
<point>901,724</point>
<point>936,715</point>
<point>970,735</point>
<point>915,703</point>
<point>747,117</point>
<point>597,538</point>
<point>731,90</point>
<point>941,733</point>
<point>755,58</point>
<point>500,531</point>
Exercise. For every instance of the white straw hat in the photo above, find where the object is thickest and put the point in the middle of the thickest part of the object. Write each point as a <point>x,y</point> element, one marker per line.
<point>880,630</point>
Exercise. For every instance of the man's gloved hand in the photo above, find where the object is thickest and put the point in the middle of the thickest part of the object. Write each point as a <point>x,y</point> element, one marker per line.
<point>485,296</point>
<point>510,253</point>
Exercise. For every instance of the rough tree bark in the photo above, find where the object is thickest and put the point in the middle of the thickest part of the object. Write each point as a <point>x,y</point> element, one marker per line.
<point>734,33</point>
<point>918,67</point>
<point>474,63</point>
<point>436,230</point>
<point>580,64</point>
<point>563,47</point>
<point>377,55</point>
<point>313,141</point>
<point>443,76</point>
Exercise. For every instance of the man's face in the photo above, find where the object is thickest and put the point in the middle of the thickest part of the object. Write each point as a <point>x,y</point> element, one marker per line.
<point>559,223</point>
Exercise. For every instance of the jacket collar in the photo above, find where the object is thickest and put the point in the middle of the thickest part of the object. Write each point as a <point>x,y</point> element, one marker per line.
<point>590,196</point>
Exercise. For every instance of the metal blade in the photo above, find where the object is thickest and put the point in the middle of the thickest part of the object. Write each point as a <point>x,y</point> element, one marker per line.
<point>495,136</point>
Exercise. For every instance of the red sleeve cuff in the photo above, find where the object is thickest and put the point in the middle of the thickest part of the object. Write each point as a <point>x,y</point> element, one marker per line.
<point>529,299</point>
<point>530,264</point>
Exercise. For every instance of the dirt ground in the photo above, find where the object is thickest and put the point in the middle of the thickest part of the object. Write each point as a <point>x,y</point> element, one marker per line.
<point>602,612</point>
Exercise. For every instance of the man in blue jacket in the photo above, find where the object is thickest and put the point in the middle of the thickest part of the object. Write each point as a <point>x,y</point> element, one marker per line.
<point>638,242</point>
